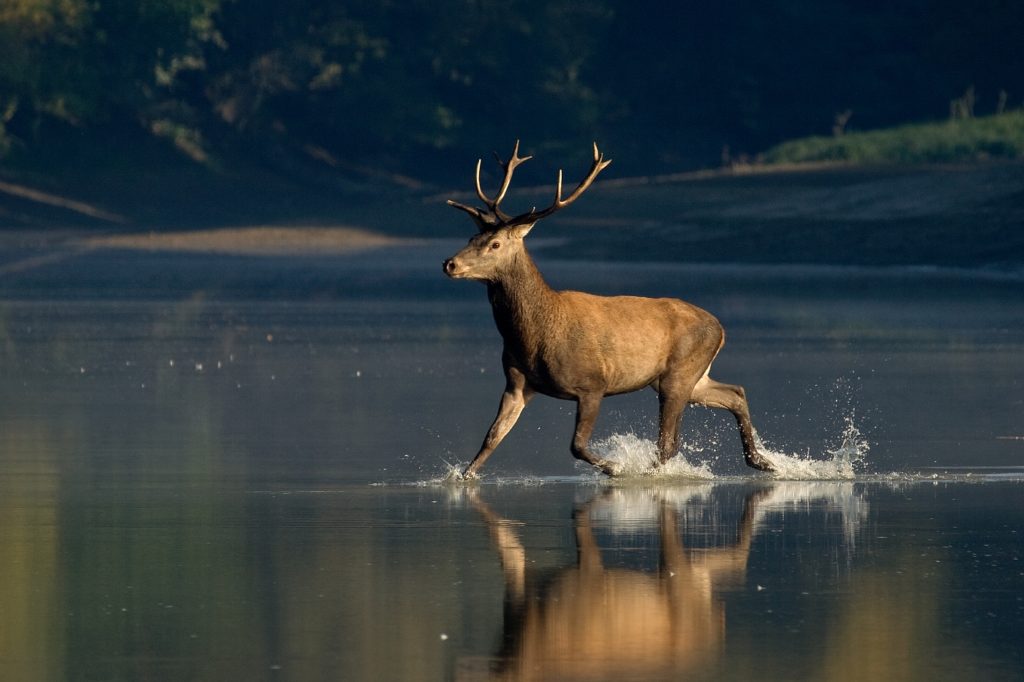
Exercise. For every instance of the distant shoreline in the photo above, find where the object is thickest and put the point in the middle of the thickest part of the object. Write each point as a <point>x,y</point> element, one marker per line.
<point>249,241</point>
<point>962,215</point>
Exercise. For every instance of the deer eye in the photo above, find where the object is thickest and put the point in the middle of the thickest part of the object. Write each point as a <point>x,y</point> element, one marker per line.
<point>495,246</point>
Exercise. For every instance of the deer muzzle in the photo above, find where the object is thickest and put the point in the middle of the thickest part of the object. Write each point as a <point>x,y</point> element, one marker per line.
<point>458,267</point>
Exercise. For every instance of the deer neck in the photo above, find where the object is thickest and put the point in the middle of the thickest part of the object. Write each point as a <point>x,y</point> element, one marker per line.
<point>522,302</point>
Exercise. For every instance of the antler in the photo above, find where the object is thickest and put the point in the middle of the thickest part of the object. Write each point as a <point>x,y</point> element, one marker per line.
<point>533,216</point>
<point>494,217</point>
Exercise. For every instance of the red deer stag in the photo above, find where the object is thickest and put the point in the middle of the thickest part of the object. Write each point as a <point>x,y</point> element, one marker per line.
<point>577,346</point>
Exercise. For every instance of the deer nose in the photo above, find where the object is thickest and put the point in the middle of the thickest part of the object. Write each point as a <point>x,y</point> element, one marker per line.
<point>448,266</point>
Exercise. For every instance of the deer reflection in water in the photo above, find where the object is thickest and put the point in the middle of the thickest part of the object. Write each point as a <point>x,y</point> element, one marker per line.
<point>590,621</point>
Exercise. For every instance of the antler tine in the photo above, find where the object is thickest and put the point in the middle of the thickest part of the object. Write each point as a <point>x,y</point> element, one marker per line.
<point>479,188</point>
<point>474,213</point>
<point>493,217</point>
<point>598,165</point>
<point>509,168</point>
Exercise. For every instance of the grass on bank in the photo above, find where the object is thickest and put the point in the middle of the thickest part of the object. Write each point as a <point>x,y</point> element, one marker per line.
<point>1000,136</point>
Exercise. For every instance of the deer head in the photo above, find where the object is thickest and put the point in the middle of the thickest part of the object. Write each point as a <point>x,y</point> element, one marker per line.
<point>500,237</point>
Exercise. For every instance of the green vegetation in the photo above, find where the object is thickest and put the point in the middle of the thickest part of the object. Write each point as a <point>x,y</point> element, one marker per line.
<point>342,85</point>
<point>408,90</point>
<point>999,136</point>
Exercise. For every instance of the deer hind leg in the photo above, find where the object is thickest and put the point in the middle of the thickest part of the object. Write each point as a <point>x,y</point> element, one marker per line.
<point>733,398</point>
<point>587,407</point>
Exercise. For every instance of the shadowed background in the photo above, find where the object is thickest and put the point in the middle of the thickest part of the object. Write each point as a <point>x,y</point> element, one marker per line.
<point>208,112</point>
<point>232,373</point>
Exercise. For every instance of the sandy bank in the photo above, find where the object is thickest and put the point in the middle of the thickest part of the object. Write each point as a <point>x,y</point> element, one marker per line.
<point>250,241</point>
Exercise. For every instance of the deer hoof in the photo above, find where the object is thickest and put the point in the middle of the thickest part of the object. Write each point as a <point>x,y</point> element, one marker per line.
<point>759,462</point>
<point>456,476</point>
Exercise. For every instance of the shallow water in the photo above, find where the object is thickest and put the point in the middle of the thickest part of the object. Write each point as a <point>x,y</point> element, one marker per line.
<point>246,481</point>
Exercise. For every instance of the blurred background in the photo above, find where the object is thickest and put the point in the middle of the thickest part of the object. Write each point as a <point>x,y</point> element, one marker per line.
<point>160,112</point>
<point>226,343</point>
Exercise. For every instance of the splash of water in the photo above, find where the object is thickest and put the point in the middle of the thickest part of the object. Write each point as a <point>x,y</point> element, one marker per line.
<point>636,458</point>
<point>842,462</point>
<point>632,456</point>
<point>452,473</point>
<point>449,476</point>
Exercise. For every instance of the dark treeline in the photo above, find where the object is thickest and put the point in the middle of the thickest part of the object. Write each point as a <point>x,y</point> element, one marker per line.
<point>412,86</point>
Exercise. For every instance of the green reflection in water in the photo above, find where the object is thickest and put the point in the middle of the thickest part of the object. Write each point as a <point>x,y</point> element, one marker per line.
<point>554,582</point>
<point>172,521</point>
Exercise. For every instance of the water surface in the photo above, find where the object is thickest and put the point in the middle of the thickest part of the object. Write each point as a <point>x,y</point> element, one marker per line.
<point>234,469</point>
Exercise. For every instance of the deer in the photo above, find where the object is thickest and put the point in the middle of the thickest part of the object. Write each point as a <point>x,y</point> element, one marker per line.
<point>583,347</point>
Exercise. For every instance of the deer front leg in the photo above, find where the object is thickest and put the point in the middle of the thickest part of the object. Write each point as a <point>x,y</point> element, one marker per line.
<point>513,400</point>
<point>587,407</point>
<point>671,412</point>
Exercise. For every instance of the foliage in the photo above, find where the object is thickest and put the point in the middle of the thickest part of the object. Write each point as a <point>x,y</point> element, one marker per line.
<point>958,139</point>
<point>391,83</point>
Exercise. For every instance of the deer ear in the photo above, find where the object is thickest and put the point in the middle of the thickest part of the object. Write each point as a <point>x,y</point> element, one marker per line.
<point>520,231</point>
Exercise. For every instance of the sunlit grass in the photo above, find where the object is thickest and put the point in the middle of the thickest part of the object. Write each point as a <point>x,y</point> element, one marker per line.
<point>999,136</point>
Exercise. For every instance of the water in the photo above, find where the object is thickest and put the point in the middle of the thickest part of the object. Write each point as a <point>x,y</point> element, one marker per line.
<point>236,469</point>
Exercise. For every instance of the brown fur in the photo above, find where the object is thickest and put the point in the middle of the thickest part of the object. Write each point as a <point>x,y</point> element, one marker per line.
<point>581,347</point>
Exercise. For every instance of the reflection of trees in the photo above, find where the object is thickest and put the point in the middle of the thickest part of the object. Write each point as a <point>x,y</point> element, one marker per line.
<point>124,549</point>
<point>32,641</point>
<point>891,626</point>
<point>156,581</point>
<point>129,548</point>
<point>7,347</point>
